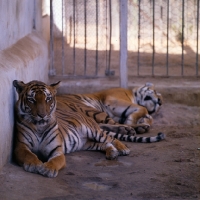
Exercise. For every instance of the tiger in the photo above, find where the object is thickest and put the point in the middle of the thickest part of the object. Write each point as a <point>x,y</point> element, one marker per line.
<point>48,126</point>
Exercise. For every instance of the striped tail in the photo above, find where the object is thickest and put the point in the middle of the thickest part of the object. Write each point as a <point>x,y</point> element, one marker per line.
<point>129,138</point>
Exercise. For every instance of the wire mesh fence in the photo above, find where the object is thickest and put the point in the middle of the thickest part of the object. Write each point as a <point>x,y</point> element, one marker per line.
<point>166,39</point>
<point>163,38</point>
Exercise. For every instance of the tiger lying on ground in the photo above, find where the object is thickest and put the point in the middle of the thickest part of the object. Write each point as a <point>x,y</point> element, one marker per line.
<point>47,130</point>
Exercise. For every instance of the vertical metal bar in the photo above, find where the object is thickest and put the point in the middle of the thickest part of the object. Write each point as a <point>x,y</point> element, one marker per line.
<point>123,44</point>
<point>74,43</point>
<point>108,72</point>
<point>153,55</point>
<point>52,70</point>
<point>167,56</point>
<point>63,50</point>
<point>34,14</point>
<point>106,35</point>
<point>110,36</point>
<point>197,51</point>
<point>182,38</point>
<point>85,36</point>
<point>138,57</point>
<point>97,41</point>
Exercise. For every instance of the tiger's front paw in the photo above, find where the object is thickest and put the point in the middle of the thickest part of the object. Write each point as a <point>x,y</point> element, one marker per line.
<point>122,149</point>
<point>32,166</point>
<point>127,130</point>
<point>48,169</point>
<point>144,123</point>
<point>111,152</point>
<point>142,128</point>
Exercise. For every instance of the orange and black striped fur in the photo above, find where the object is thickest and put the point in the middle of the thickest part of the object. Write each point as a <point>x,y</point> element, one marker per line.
<point>49,127</point>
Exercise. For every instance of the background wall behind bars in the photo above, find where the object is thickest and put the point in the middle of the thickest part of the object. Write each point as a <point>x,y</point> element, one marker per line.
<point>163,38</point>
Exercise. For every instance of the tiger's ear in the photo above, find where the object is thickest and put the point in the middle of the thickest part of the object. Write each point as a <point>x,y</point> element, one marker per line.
<point>55,86</point>
<point>150,85</point>
<point>19,85</point>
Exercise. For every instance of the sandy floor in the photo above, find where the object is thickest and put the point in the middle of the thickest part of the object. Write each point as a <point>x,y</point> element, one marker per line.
<point>169,169</point>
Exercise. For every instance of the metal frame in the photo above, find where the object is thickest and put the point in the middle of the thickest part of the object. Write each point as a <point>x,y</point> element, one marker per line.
<point>123,69</point>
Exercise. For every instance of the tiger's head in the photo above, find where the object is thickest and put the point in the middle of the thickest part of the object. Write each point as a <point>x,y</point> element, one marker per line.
<point>148,97</point>
<point>36,102</point>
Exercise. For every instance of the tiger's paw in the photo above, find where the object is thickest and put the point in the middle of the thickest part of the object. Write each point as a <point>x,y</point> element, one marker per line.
<point>142,128</point>
<point>111,152</point>
<point>32,166</point>
<point>112,155</point>
<point>122,149</point>
<point>127,130</point>
<point>48,169</point>
<point>143,124</point>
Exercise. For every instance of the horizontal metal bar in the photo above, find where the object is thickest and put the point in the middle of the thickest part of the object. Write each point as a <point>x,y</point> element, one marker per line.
<point>116,77</point>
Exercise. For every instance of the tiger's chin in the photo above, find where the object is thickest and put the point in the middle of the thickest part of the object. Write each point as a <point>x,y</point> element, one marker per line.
<point>158,107</point>
<point>156,110</point>
<point>41,122</point>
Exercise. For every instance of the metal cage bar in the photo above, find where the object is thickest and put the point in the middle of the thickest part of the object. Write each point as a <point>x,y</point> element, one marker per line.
<point>88,28</point>
<point>138,55</point>
<point>97,36</point>
<point>52,69</point>
<point>123,44</point>
<point>74,41</point>
<point>182,37</point>
<point>108,71</point>
<point>63,47</point>
<point>167,53</point>
<point>197,46</point>
<point>85,35</point>
<point>153,38</point>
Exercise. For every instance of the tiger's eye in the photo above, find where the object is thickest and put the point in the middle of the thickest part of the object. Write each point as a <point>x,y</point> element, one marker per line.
<point>30,99</point>
<point>48,99</point>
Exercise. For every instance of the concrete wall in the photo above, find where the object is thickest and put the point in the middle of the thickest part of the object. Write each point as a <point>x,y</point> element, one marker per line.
<point>23,56</point>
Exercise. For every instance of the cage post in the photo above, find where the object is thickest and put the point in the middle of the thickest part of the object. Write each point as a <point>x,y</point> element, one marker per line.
<point>97,37</point>
<point>123,43</point>
<point>52,71</point>
<point>110,36</point>
<point>63,41</point>
<point>109,72</point>
<point>138,57</point>
<point>34,14</point>
<point>167,56</point>
<point>197,51</point>
<point>85,35</point>
<point>74,42</point>
<point>182,37</point>
<point>153,33</point>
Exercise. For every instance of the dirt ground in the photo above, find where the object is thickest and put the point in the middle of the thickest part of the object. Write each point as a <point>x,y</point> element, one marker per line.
<point>169,169</point>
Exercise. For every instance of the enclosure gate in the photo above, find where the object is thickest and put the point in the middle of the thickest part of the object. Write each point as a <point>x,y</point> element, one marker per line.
<point>162,38</point>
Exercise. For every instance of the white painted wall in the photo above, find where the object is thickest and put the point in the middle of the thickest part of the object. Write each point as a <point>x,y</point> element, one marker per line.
<point>23,56</point>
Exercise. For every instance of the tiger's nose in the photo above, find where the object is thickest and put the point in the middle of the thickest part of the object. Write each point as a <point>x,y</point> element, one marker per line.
<point>41,115</point>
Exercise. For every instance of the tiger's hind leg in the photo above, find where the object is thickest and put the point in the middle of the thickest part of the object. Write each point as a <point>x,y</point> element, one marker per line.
<point>108,144</point>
